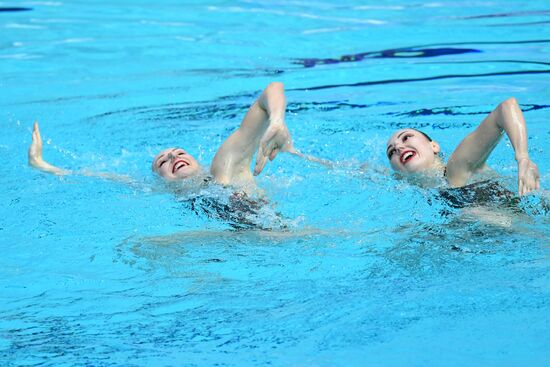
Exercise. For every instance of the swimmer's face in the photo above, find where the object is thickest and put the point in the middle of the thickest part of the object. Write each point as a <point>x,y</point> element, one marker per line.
<point>174,164</point>
<point>410,151</point>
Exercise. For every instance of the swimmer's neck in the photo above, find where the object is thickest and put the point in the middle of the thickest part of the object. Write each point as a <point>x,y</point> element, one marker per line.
<point>200,181</point>
<point>432,177</point>
<point>190,184</point>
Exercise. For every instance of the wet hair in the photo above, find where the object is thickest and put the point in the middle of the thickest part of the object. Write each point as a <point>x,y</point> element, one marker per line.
<point>440,154</point>
<point>423,133</point>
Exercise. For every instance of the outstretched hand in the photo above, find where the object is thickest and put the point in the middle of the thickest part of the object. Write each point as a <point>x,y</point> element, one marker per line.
<point>35,149</point>
<point>528,176</point>
<point>35,155</point>
<point>275,139</point>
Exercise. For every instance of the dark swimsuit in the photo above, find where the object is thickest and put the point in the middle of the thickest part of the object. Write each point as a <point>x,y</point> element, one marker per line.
<point>485,193</point>
<point>239,211</point>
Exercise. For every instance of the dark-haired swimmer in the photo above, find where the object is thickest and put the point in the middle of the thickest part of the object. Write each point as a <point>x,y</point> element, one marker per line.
<point>415,156</point>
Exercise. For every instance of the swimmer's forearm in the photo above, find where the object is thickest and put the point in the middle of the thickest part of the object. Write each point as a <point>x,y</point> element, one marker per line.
<point>273,102</point>
<point>49,168</point>
<point>44,166</point>
<point>510,120</point>
<point>267,109</point>
<point>108,176</point>
<point>311,158</point>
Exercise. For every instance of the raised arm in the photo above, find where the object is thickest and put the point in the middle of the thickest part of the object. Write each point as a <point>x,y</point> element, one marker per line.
<point>472,153</point>
<point>35,155</point>
<point>263,129</point>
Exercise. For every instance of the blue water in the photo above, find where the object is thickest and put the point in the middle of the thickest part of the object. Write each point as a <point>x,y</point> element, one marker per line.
<point>370,274</point>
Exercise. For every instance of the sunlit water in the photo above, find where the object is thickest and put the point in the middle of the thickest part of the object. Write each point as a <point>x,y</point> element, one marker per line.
<point>369,272</point>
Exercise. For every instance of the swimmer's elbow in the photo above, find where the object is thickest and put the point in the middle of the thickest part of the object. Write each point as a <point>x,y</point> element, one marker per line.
<point>275,86</point>
<point>509,103</point>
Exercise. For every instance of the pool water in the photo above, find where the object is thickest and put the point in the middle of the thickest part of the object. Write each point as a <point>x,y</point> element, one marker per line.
<point>371,272</point>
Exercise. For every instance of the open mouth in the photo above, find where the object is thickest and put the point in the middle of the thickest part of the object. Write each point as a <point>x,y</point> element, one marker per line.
<point>406,156</point>
<point>179,165</point>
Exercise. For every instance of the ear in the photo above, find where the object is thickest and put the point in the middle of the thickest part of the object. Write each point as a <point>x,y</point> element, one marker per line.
<point>435,147</point>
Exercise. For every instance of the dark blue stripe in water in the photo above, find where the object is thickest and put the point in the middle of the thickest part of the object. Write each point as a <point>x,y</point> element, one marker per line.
<point>452,111</point>
<point>394,81</point>
<point>408,52</point>
<point>6,10</point>
<point>430,50</point>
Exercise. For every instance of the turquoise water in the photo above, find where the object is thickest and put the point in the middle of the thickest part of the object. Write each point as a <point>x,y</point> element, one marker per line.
<point>370,273</point>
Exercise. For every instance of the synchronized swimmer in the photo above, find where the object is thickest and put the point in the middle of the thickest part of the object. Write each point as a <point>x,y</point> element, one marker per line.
<point>263,129</point>
<point>412,154</point>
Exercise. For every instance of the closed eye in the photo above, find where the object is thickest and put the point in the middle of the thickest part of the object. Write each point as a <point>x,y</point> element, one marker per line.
<point>161,163</point>
<point>181,153</point>
<point>390,153</point>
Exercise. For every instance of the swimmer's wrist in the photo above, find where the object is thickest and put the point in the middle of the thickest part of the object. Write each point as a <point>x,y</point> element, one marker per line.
<point>521,157</point>
<point>276,121</point>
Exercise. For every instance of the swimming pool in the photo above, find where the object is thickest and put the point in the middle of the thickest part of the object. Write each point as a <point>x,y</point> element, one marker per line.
<point>95,273</point>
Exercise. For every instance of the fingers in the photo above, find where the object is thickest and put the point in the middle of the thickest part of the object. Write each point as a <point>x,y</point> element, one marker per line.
<point>273,154</point>
<point>37,139</point>
<point>266,144</point>
<point>521,187</point>
<point>269,150</point>
<point>35,149</point>
<point>533,177</point>
<point>529,183</point>
<point>261,160</point>
<point>274,140</point>
<point>528,177</point>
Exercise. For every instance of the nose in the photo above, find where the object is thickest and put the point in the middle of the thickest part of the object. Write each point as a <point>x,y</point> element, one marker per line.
<point>399,147</point>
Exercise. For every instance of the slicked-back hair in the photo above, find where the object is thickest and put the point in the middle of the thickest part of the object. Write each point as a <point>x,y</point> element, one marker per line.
<point>423,133</point>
